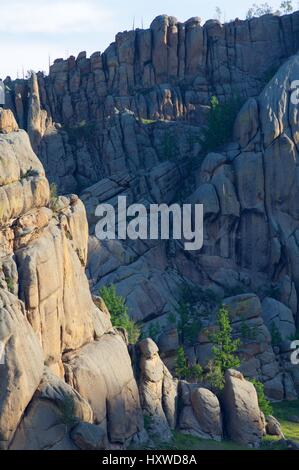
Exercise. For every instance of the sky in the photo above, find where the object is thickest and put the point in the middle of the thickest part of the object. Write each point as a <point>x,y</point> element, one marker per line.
<point>34,32</point>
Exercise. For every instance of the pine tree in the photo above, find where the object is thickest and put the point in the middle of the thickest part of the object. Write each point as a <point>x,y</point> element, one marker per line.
<point>224,350</point>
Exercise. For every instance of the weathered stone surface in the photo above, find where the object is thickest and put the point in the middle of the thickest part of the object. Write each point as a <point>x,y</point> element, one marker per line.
<point>158,391</point>
<point>243,306</point>
<point>242,414</point>
<point>101,372</point>
<point>277,315</point>
<point>90,437</point>
<point>273,427</point>
<point>128,122</point>
<point>7,121</point>
<point>42,428</point>
<point>53,285</point>
<point>206,408</point>
<point>246,124</point>
<point>23,364</point>
<point>23,185</point>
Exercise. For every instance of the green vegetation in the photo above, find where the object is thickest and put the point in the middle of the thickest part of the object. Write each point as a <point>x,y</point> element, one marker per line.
<point>10,284</point>
<point>189,324</point>
<point>183,441</point>
<point>284,411</point>
<point>185,372</point>
<point>146,122</point>
<point>119,312</point>
<point>220,125</point>
<point>275,335</point>
<point>264,404</point>
<point>286,6</point>
<point>215,376</point>
<point>259,10</point>
<point>287,413</point>
<point>224,350</point>
<point>53,196</point>
<point>248,333</point>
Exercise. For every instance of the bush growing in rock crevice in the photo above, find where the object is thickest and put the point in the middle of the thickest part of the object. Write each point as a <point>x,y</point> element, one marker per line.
<point>116,305</point>
<point>264,404</point>
<point>185,372</point>
<point>220,124</point>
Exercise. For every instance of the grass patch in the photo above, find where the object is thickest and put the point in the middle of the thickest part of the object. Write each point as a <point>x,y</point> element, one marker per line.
<point>183,441</point>
<point>147,121</point>
<point>284,411</point>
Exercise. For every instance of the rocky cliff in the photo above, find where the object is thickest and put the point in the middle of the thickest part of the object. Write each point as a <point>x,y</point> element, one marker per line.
<point>67,381</point>
<point>129,122</point>
<point>169,71</point>
<point>56,342</point>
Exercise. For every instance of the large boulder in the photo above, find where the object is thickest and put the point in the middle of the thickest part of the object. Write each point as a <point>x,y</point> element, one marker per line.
<point>90,436</point>
<point>206,408</point>
<point>102,373</point>
<point>55,409</point>
<point>279,317</point>
<point>158,391</point>
<point>243,419</point>
<point>200,413</point>
<point>22,368</point>
<point>7,121</point>
<point>23,185</point>
<point>54,287</point>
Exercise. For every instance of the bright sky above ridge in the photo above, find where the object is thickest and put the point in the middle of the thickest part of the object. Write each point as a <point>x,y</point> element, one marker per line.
<point>31,31</point>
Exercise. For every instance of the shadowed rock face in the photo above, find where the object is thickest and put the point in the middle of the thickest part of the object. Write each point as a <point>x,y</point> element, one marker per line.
<point>169,71</point>
<point>67,381</point>
<point>128,122</point>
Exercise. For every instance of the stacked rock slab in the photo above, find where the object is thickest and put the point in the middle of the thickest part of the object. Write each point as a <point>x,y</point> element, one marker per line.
<point>48,320</point>
<point>243,418</point>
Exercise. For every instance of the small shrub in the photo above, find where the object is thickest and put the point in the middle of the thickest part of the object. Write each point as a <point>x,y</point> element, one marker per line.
<point>119,312</point>
<point>183,371</point>
<point>247,332</point>
<point>189,323</point>
<point>259,10</point>
<point>10,284</point>
<point>264,404</point>
<point>221,121</point>
<point>53,196</point>
<point>275,335</point>
<point>215,376</point>
<point>147,121</point>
